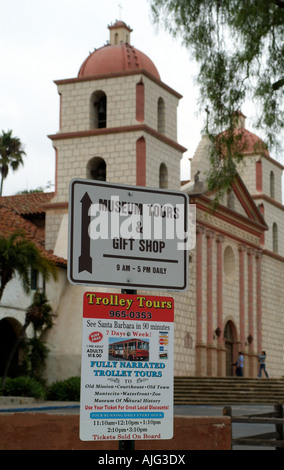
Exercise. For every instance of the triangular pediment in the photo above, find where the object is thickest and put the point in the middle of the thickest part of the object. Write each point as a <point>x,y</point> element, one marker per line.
<point>239,200</point>
<point>238,203</point>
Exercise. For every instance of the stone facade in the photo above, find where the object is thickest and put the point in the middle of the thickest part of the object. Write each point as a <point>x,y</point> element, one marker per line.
<point>250,273</point>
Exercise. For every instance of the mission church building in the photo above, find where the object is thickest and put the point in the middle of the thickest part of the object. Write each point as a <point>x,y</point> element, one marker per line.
<point>118,123</point>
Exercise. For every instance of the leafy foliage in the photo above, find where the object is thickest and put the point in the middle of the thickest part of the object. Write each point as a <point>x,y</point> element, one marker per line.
<point>34,354</point>
<point>39,312</point>
<point>239,47</point>
<point>23,387</point>
<point>65,390</point>
<point>18,255</point>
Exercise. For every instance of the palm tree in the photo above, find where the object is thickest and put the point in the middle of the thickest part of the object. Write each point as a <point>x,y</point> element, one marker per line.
<point>11,155</point>
<point>39,315</point>
<point>19,255</point>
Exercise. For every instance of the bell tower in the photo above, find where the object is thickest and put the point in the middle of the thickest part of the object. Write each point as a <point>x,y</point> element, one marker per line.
<point>118,123</point>
<point>119,33</point>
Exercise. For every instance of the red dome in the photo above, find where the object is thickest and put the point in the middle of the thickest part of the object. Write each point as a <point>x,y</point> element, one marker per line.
<point>114,59</point>
<point>246,142</point>
<point>250,143</point>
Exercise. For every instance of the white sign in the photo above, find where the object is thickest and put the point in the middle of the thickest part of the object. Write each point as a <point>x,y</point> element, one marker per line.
<point>127,367</point>
<point>127,236</point>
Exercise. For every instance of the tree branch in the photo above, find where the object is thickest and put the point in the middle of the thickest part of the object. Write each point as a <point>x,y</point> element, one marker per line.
<point>278,84</point>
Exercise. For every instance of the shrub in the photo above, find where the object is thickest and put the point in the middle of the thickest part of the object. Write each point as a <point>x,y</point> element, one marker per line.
<point>23,387</point>
<point>65,390</point>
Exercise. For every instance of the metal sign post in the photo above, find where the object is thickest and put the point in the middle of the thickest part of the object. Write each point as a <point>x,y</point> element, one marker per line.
<point>127,445</point>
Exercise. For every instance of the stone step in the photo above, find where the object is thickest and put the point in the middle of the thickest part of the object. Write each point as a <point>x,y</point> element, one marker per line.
<point>231,390</point>
<point>215,390</point>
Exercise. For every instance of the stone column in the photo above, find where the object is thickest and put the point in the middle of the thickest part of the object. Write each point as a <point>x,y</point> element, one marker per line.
<point>221,359</point>
<point>209,273</point>
<point>242,250</point>
<point>258,305</point>
<point>200,347</point>
<point>250,337</point>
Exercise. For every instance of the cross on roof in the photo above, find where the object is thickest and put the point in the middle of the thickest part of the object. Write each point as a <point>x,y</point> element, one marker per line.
<point>120,8</point>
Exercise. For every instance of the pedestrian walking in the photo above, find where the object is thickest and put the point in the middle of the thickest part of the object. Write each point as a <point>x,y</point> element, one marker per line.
<point>240,365</point>
<point>261,359</point>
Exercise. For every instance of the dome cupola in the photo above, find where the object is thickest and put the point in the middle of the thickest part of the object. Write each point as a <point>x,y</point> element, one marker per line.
<point>118,56</point>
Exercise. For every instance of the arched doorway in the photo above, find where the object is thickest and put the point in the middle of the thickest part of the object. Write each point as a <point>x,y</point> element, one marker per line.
<point>230,340</point>
<point>9,330</point>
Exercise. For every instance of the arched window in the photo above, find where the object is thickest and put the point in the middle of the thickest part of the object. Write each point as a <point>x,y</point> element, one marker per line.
<point>141,161</point>
<point>96,169</point>
<point>140,101</point>
<point>161,116</point>
<point>229,264</point>
<point>163,176</point>
<point>98,110</point>
<point>188,341</point>
<point>275,238</point>
<point>272,185</point>
<point>258,171</point>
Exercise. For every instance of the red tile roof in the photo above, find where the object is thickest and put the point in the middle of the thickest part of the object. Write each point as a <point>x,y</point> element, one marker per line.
<point>27,204</point>
<point>13,217</point>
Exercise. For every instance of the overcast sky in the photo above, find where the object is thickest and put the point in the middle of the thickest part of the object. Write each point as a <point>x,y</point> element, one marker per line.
<point>45,40</point>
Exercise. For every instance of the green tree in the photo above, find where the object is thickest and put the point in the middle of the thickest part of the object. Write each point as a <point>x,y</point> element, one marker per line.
<point>17,256</point>
<point>239,49</point>
<point>11,155</point>
<point>38,314</point>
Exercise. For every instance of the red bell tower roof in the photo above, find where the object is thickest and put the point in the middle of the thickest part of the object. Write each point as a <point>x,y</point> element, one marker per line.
<point>118,56</point>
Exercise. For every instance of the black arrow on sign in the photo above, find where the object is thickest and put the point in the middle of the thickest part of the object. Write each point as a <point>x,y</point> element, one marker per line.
<point>85,259</point>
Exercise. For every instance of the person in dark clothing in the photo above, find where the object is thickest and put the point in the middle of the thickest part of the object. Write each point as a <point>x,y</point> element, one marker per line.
<point>240,365</point>
<point>262,358</point>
